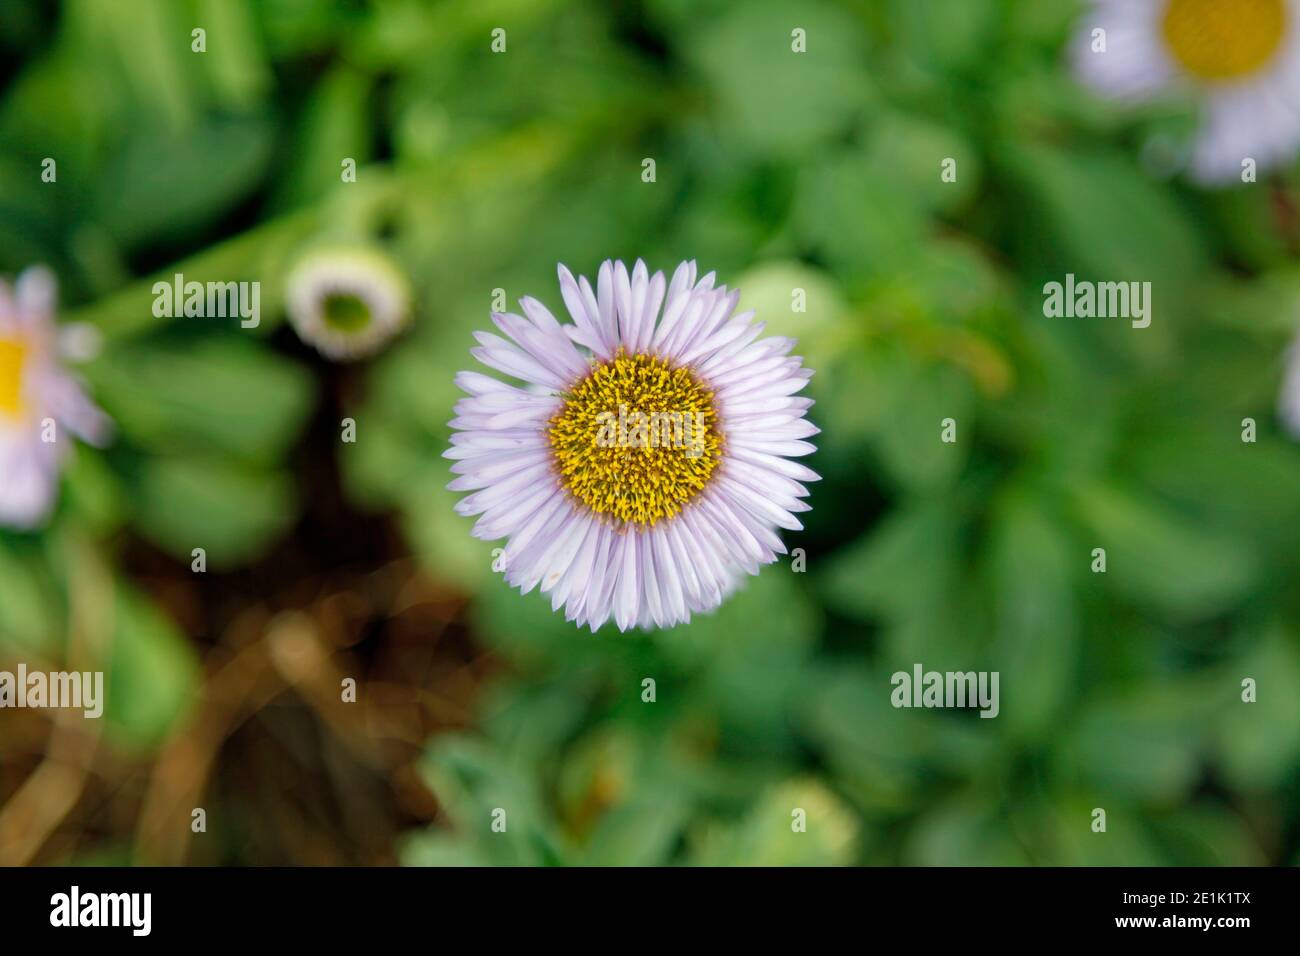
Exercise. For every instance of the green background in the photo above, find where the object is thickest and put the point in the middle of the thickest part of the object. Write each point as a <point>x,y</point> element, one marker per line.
<point>820,171</point>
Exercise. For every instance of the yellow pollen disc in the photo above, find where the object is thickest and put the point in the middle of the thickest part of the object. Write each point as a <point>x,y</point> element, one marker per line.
<point>13,356</point>
<point>636,439</point>
<point>1224,39</point>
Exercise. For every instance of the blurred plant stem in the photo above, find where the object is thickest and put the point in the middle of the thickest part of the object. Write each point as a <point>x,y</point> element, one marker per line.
<point>515,158</point>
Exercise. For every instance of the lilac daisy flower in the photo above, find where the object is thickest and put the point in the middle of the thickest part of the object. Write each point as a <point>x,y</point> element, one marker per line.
<point>38,399</point>
<point>1240,58</point>
<point>644,466</point>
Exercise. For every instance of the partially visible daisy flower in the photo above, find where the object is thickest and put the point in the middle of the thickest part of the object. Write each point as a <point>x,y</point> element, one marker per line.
<point>1242,57</point>
<point>645,465</point>
<point>39,401</point>
<point>347,303</point>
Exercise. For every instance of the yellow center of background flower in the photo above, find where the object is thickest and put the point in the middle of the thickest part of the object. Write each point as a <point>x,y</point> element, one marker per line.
<point>1224,39</point>
<point>13,356</point>
<point>637,439</point>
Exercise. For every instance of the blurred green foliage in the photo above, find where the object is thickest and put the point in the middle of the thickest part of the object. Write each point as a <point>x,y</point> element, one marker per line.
<point>780,170</point>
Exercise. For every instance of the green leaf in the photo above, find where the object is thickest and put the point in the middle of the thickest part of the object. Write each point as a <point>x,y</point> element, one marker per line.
<point>92,491</point>
<point>909,151</point>
<point>1161,560</point>
<point>865,225</point>
<point>233,513</point>
<point>212,395</point>
<point>152,673</point>
<point>531,720</point>
<point>885,758</point>
<point>1144,744</point>
<point>769,99</point>
<point>1105,220</point>
<point>1257,743</point>
<point>150,43</point>
<point>798,823</point>
<point>474,785</point>
<point>1063,830</point>
<point>333,128</point>
<point>1249,488</point>
<point>167,183</point>
<point>28,621</point>
<point>964,832</point>
<point>234,57</point>
<point>1208,835</point>
<point>876,577</point>
<point>948,34</point>
<point>1033,568</point>
<point>910,436</point>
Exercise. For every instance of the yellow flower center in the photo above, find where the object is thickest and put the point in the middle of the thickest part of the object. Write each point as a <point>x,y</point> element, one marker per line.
<point>1220,40</point>
<point>636,439</point>
<point>13,356</point>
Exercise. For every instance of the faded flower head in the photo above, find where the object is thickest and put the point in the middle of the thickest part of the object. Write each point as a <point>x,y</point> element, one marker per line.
<point>644,465</point>
<point>39,400</point>
<point>347,303</point>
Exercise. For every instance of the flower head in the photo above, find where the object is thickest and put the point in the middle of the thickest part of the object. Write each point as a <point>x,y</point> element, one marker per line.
<point>38,400</point>
<point>1242,57</point>
<point>347,303</point>
<point>644,466</point>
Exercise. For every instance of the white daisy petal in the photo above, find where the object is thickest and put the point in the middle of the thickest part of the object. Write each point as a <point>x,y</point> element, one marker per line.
<point>624,330</point>
<point>708,557</point>
<point>35,292</point>
<point>652,601</point>
<point>1134,63</point>
<point>679,551</point>
<point>30,482</point>
<point>574,579</point>
<point>669,578</point>
<point>605,306</point>
<point>550,349</point>
<point>729,543</point>
<point>582,307</point>
<point>68,404</point>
